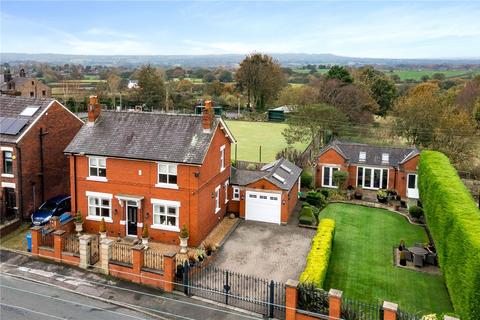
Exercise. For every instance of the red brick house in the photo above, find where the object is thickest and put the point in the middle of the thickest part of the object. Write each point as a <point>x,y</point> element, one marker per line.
<point>269,194</point>
<point>369,167</point>
<point>34,133</point>
<point>159,170</point>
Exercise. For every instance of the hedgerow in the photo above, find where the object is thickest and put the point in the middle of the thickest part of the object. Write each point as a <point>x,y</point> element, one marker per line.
<point>454,223</point>
<point>319,255</point>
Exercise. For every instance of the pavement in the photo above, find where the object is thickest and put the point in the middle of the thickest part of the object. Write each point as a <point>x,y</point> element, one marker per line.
<point>266,250</point>
<point>93,291</point>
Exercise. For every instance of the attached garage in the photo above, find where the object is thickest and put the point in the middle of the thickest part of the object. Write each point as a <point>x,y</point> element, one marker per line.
<point>267,195</point>
<point>263,206</point>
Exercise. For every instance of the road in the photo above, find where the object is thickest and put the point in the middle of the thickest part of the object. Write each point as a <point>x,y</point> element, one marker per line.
<point>24,300</point>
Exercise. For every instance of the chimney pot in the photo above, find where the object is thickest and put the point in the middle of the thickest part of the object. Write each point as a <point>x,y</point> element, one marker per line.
<point>93,109</point>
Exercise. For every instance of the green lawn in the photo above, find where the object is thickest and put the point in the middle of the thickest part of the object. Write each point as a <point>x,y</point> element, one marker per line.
<point>251,135</point>
<point>362,267</point>
<point>418,74</point>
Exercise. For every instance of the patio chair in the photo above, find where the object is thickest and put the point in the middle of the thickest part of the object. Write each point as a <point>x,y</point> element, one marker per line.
<point>431,259</point>
<point>408,255</point>
<point>417,260</point>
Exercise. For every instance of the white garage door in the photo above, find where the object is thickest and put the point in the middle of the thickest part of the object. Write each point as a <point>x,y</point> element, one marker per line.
<point>263,206</point>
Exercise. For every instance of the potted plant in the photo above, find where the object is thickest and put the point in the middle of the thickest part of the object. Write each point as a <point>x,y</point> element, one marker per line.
<point>145,235</point>
<point>103,229</point>
<point>382,196</point>
<point>78,223</point>
<point>358,194</point>
<point>209,248</point>
<point>192,258</point>
<point>184,235</point>
<point>403,259</point>
<point>401,246</point>
<point>201,254</point>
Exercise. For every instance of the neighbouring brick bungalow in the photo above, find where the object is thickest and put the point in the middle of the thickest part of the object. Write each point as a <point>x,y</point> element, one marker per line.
<point>369,167</point>
<point>269,194</point>
<point>159,170</point>
<point>34,133</point>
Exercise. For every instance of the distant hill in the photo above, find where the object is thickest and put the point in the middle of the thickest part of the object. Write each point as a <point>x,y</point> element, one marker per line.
<point>286,59</point>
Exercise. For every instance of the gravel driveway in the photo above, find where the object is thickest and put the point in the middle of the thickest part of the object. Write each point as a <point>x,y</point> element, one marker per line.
<point>266,250</point>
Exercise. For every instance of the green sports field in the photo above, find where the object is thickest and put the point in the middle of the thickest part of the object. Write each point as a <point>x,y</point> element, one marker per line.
<point>251,135</point>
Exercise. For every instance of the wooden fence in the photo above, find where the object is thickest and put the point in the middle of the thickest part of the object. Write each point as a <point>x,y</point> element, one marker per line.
<point>153,259</point>
<point>122,253</point>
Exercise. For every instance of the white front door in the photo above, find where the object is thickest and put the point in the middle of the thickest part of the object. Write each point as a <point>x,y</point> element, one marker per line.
<point>263,206</point>
<point>412,186</point>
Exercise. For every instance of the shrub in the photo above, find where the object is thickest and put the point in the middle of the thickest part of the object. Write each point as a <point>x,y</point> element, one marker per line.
<point>316,199</point>
<point>307,217</point>
<point>325,193</point>
<point>454,223</point>
<point>184,232</point>
<point>145,232</point>
<point>340,178</point>
<point>103,227</point>
<point>319,255</point>
<point>78,217</point>
<point>306,179</point>
<point>415,211</point>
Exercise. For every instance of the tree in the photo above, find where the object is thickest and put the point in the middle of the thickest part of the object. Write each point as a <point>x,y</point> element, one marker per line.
<point>209,77</point>
<point>261,78</point>
<point>340,73</point>
<point>438,76</point>
<point>225,76</point>
<point>214,88</point>
<point>113,82</point>
<point>382,89</point>
<point>151,88</point>
<point>469,94</point>
<point>311,122</point>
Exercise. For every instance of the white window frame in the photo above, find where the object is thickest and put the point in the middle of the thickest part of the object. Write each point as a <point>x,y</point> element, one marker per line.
<point>4,173</point>
<point>222,158</point>
<point>330,185</point>
<point>217,199</point>
<point>360,158</point>
<point>385,158</point>
<point>236,193</point>
<point>157,203</point>
<point>372,176</point>
<point>167,184</point>
<point>101,196</point>
<point>226,191</point>
<point>98,167</point>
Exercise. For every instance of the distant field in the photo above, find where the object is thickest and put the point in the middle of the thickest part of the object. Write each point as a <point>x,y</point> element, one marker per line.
<point>418,74</point>
<point>193,80</point>
<point>251,135</point>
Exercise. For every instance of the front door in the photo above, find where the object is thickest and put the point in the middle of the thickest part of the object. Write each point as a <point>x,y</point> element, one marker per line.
<point>412,186</point>
<point>132,218</point>
<point>10,202</point>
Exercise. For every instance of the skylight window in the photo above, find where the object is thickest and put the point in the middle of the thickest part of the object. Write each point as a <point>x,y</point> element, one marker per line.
<point>362,156</point>
<point>276,176</point>
<point>29,111</point>
<point>385,157</point>
<point>286,168</point>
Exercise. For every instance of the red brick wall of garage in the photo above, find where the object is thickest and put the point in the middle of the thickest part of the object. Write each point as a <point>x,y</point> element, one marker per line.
<point>292,202</point>
<point>330,157</point>
<point>123,178</point>
<point>61,126</point>
<point>410,166</point>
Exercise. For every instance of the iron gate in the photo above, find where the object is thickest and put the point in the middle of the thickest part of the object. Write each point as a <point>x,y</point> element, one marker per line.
<point>94,249</point>
<point>243,291</point>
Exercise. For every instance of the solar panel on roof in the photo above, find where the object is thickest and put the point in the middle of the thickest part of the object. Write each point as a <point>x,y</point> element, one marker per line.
<point>11,126</point>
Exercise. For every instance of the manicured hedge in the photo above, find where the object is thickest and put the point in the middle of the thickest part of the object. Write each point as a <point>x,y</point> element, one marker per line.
<point>319,255</point>
<point>454,222</point>
<point>307,216</point>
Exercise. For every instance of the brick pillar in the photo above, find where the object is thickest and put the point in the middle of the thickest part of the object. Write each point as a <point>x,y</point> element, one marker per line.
<point>169,269</point>
<point>84,243</point>
<point>389,310</point>
<point>137,259</point>
<point>291,298</point>
<point>105,254</point>
<point>335,304</point>
<point>35,231</point>
<point>58,237</point>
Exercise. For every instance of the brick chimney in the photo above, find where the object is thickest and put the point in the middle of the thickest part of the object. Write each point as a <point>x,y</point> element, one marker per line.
<point>93,110</point>
<point>207,116</point>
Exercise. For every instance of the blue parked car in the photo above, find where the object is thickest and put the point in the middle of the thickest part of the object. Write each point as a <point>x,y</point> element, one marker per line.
<point>55,206</point>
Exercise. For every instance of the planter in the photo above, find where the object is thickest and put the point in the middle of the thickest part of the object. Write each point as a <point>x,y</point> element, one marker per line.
<point>382,199</point>
<point>103,235</point>
<point>183,245</point>
<point>78,227</point>
<point>358,196</point>
<point>145,241</point>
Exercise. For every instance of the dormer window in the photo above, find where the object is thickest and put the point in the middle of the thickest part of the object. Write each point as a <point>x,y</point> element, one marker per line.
<point>362,156</point>
<point>385,158</point>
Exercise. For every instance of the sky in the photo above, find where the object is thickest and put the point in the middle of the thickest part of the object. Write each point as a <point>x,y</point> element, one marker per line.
<point>377,29</point>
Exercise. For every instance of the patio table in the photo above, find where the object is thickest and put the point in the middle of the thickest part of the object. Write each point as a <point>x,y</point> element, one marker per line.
<point>418,251</point>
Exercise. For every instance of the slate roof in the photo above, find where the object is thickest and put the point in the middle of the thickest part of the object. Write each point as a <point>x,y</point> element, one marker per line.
<point>268,172</point>
<point>11,107</point>
<point>19,81</point>
<point>144,135</point>
<point>351,151</point>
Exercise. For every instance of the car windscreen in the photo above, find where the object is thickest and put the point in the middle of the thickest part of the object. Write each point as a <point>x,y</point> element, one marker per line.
<point>48,206</point>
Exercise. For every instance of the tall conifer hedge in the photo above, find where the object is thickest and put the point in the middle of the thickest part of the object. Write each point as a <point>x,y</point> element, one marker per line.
<point>454,222</point>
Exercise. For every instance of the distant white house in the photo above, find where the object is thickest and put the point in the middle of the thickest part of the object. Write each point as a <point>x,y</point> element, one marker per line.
<point>132,84</point>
